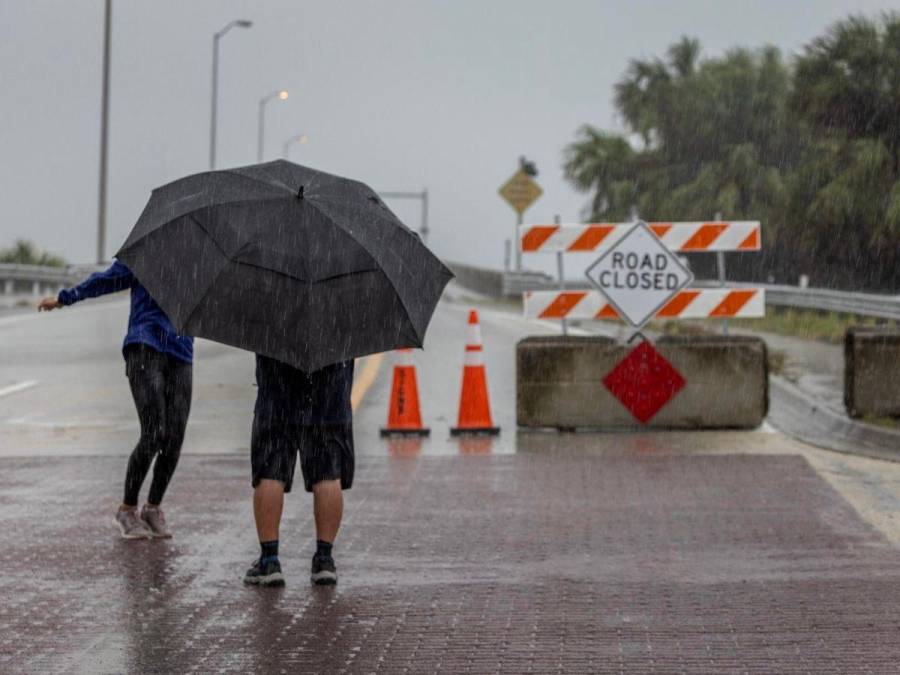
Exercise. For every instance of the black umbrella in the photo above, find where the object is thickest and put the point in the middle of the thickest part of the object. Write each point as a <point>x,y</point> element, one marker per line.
<point>300,265</point>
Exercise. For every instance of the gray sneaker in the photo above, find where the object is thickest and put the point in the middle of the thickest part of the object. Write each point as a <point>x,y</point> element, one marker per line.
<point>131,526</point>
<point>155,519</point>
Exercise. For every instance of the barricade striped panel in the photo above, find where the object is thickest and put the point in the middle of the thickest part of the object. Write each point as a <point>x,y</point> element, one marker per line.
<point>735,235</point>
<point>690,303</point>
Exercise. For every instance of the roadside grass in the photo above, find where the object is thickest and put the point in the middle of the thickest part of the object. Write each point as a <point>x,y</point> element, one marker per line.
<point>827,327</point>
<point>886,422</point>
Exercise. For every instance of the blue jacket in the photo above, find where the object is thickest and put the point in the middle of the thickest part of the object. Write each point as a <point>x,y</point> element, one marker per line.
<point>147,324</point>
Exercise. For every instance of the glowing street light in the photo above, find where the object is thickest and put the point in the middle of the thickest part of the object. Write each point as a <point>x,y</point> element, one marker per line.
<point>302,139</point>
<point>281,95</point>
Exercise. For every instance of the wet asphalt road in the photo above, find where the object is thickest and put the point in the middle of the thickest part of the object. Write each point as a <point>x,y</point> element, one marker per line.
<point>533,552</point>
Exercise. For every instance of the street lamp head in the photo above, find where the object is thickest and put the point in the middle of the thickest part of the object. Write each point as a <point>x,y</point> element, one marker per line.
<point>240,23</point>
<point>280,94</point>
<point>286,146</point>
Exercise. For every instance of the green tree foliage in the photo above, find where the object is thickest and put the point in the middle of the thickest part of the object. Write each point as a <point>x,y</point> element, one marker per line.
<point>604,163</point>
<point>26,253</point>
<point>846,194</point>
<point>809,148</point>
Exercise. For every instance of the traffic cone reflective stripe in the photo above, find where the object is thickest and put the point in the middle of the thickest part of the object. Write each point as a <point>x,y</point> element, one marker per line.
<point>404,416</point>
<point>474,405</point>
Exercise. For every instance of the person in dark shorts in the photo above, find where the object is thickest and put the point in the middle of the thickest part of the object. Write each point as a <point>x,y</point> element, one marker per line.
<point>158,364</point>
<point>307,414</point>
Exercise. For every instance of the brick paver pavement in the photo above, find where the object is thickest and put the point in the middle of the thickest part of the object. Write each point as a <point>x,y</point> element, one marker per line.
<point>560,562</point>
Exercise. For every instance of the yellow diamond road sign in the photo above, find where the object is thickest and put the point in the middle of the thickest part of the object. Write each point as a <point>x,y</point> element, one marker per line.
<point>520,191</point>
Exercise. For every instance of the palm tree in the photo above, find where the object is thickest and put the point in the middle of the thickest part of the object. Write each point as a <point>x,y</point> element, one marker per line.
<point>848,81</point>
<point>603,163</point>
<point>847,89</point>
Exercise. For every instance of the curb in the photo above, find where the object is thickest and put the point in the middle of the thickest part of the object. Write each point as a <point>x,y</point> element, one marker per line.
<point>804,418</point>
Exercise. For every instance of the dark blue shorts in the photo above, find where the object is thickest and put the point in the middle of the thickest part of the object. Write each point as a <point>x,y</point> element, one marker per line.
<point>302,413</point>
<point>326,453</point>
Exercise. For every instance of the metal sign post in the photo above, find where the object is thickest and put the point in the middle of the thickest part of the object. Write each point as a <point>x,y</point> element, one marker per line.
<point>561,274</point>
<point>720,268</point>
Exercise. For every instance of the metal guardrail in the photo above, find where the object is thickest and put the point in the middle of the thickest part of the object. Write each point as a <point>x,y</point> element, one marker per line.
<point>512,284</point>
<point>862,304</point>
<point>495,283</point>
<point>516,283</point>
<point>37,279</point>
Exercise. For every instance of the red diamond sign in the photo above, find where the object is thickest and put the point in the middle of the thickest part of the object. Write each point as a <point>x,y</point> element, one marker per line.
<point>644,382</point>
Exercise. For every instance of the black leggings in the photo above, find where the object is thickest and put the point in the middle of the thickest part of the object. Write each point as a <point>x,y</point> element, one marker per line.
<point>161,388</point>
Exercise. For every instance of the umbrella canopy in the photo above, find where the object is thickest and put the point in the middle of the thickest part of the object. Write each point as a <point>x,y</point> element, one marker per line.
<point>296,264</point>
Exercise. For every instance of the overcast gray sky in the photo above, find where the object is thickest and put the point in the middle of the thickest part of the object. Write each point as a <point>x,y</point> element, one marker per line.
<point>401,94</point>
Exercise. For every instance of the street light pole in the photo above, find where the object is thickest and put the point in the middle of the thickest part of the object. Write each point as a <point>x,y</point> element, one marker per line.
<point>425,215</point>
<point>286,146</point>
<point>260,138</point>
<point>240,23</point>
<point>104,138</point>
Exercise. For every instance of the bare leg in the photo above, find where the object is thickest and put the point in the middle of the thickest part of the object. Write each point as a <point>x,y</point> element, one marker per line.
<point>328,508</point>
<point>268,501</point>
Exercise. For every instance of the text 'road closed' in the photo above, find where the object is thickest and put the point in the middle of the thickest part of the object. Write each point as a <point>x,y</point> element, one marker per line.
<point>639,271</point>
<point>638,275</point>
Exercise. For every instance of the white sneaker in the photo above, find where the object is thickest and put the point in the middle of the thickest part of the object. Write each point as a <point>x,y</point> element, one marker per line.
<point>131,526</point>
<point>155,519</point>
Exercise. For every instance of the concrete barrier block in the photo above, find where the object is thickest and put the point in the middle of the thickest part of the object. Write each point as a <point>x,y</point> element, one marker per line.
<point>559,383</point>
<point>872,371</point>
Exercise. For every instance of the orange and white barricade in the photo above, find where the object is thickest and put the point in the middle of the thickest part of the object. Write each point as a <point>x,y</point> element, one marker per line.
<point>687,237</point>
<point>689,303</point>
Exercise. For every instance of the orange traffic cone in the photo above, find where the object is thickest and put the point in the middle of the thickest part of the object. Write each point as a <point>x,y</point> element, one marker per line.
<point>403,411</point>
<point>474,407</point>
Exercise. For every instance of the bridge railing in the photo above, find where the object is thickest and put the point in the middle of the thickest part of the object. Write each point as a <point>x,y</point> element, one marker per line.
<point>35,280</point>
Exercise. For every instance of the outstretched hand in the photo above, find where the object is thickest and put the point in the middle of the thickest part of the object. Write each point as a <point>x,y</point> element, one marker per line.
<point>48,304</point>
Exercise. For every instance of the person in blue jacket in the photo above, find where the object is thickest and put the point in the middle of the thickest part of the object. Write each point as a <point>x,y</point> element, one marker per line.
<point>158,364</point>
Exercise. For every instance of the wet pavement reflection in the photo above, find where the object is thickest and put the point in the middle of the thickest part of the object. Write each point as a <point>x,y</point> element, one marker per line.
<point>578,551</point>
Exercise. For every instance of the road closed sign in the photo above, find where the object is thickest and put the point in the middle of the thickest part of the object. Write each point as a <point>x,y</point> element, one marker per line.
<point>639,275</point>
